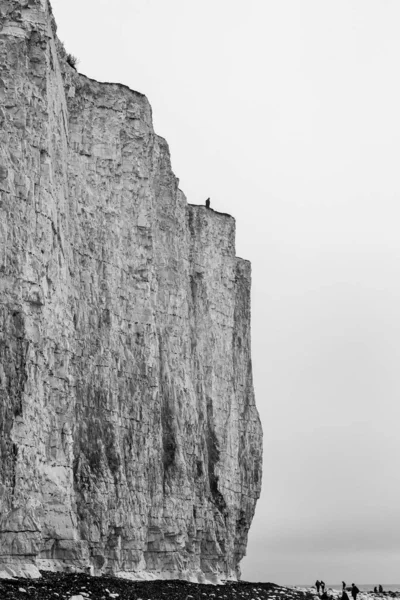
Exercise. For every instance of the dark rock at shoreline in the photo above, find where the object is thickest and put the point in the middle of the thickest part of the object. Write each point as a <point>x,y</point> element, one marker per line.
<point>65,586</point>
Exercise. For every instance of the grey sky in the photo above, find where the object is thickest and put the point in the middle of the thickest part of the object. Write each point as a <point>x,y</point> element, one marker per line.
<point>287,114</point>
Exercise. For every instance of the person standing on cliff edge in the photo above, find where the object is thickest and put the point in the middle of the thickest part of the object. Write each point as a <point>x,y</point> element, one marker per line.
<point>208,203</point>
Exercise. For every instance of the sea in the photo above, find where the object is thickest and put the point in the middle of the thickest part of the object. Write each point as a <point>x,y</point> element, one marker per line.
<point>363,587</point>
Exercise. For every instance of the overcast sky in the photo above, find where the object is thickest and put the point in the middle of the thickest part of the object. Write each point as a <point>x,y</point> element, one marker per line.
<point>287,113</point>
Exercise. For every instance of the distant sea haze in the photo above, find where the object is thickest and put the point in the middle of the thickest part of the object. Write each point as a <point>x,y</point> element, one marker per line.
<point>363,587</point>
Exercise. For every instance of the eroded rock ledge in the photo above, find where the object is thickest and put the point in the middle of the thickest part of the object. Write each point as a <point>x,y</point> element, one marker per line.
<point>129,438</point>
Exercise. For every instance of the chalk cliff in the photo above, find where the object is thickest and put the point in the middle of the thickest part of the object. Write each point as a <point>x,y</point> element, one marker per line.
<point>129,437</point>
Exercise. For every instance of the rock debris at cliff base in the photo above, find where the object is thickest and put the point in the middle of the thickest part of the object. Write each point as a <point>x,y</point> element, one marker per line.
<point>83,587</point>
<point>64,586</point>
<point>130,441</point>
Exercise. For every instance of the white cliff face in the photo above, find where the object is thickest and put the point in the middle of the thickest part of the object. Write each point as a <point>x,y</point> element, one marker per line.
<point>129,438</point>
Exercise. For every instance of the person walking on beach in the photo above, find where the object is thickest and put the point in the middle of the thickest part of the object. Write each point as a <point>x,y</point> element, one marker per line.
<point>354,591</point>
<point>317,585</point>
<point>322,586</point>
<point>380,588</point>
<point>343,586</point>
<point>375,590</point>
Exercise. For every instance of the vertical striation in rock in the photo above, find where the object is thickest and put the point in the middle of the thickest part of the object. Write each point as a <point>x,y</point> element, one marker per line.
<point>129,437</point>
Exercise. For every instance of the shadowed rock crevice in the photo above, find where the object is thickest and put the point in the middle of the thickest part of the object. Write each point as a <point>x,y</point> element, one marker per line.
<point>13,377</point>
<point>213,454</point>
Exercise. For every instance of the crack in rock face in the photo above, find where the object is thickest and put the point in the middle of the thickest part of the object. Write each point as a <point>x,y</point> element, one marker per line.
<point>130,443</point>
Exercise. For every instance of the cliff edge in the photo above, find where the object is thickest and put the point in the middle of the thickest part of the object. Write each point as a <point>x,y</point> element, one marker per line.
<point>130,442</point>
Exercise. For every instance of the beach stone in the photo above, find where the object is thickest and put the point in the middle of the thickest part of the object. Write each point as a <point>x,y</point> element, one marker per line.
<point>131,442</point>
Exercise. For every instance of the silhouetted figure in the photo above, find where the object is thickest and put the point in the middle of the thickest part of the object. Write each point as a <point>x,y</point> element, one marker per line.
<point>354,591</point>
<point>345,595</point>
<point>322,586</point>
<point>343,586</point>
<point>375,590</point>
<point>317,585</point>
<point>208,203</point>
<point>380,588</point>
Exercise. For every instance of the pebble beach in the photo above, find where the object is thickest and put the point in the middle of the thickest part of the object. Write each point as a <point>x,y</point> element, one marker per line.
<point>62,586</point>
<point>79,586</point>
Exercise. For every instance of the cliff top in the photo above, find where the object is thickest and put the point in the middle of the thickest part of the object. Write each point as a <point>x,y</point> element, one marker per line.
<point>212,210</point>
